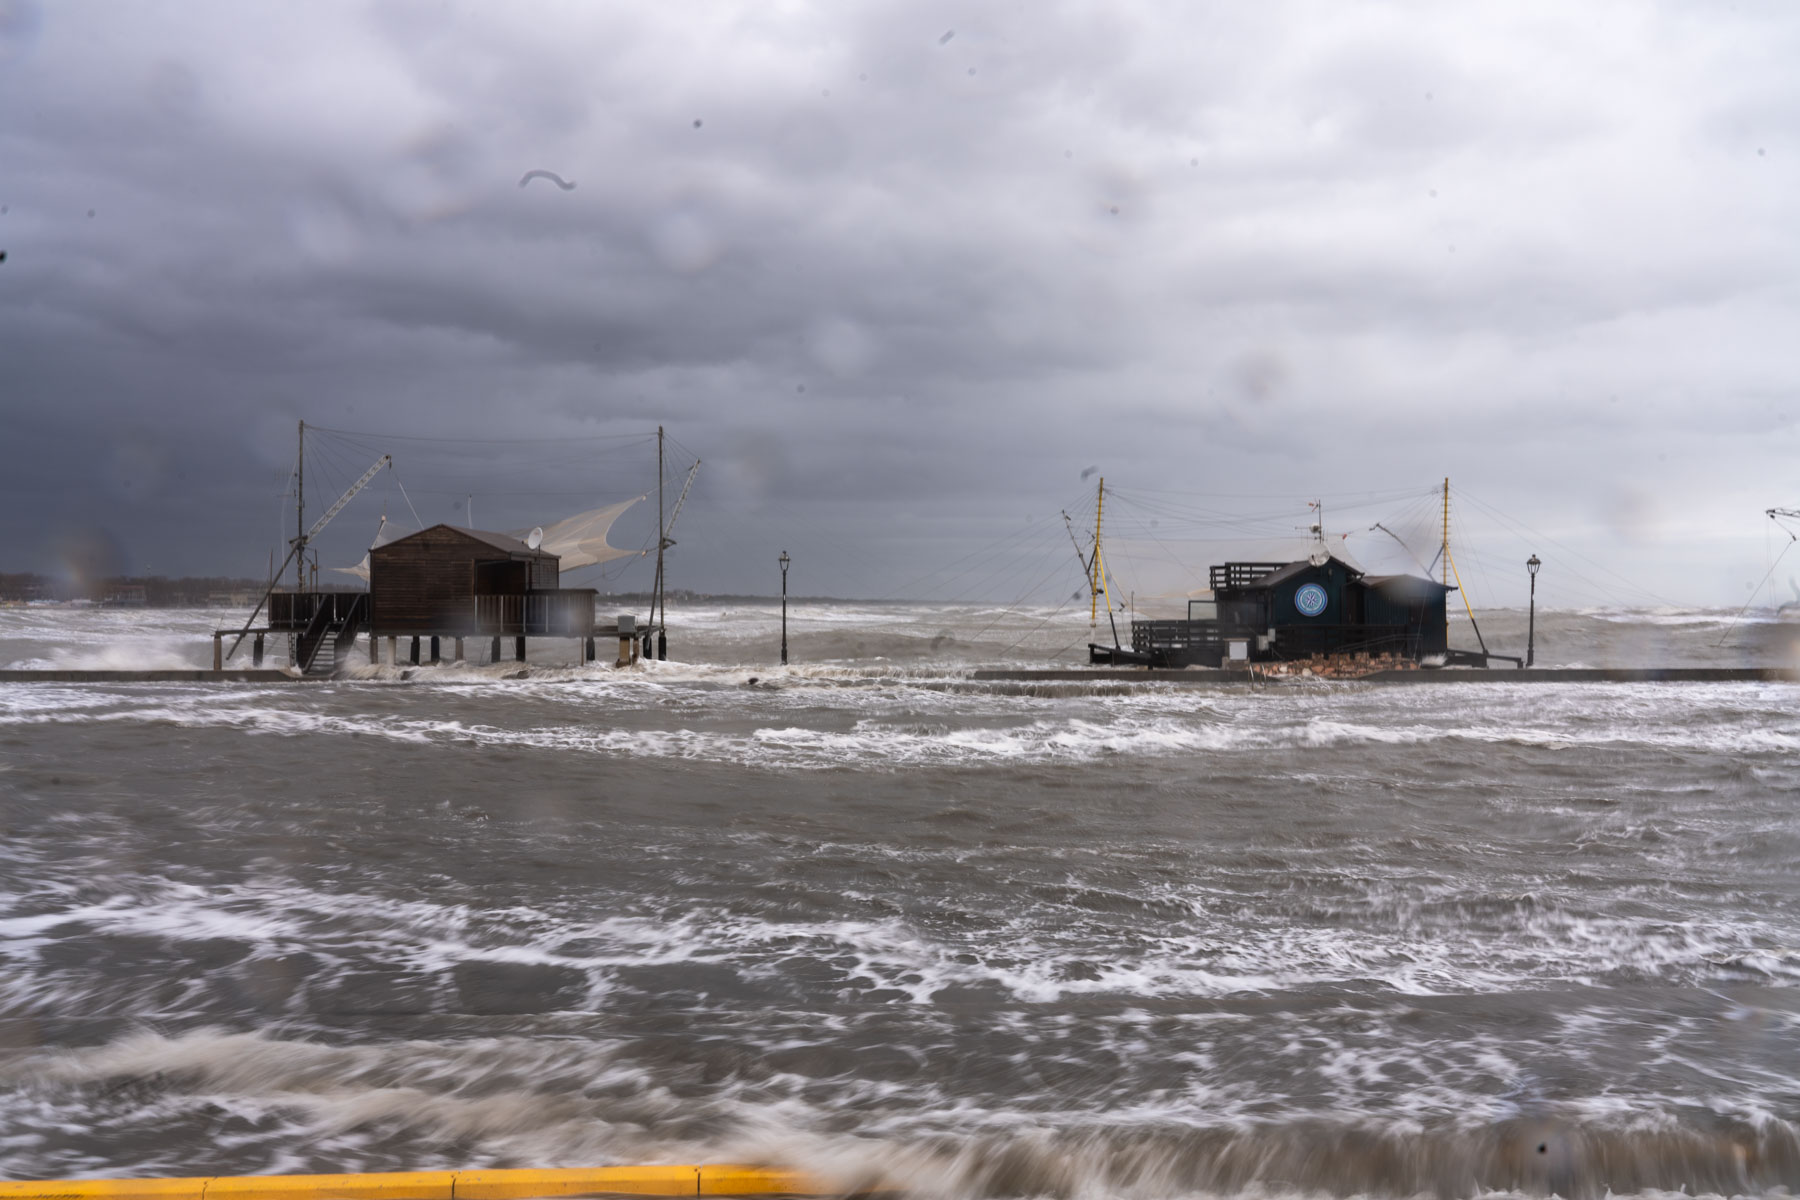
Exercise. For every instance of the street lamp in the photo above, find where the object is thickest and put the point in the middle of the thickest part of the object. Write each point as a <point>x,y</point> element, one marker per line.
<point>784,560</point>
<point>1531,565</point>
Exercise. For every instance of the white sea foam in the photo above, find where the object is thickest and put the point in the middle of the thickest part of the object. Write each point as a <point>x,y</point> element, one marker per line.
<point>901,723</point>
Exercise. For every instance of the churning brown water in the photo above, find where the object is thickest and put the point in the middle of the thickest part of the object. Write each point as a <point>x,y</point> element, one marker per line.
<point>866,915</point>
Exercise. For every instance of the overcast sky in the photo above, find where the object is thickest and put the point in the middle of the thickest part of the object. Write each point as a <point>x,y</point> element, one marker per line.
<point>899,273</point>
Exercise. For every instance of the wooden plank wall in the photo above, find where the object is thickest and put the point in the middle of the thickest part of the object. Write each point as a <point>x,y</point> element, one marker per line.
<point>426,583</point>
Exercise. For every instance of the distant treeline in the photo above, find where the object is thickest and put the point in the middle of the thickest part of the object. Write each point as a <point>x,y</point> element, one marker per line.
<point>217,591</point>
<point>155,591</point>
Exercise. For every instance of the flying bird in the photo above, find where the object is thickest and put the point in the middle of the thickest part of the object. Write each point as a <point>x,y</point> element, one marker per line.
<point>552,176</point>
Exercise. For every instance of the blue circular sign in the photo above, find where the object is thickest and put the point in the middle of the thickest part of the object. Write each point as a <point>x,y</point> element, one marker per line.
<point>1310,600</point>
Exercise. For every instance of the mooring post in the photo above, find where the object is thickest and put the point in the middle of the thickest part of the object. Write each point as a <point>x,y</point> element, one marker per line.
<point>256,651</point>
<point>218,652</point>
<point>627,628</point>
<point>435,656</point>
<point>519,648</point>
<point>459,650</point>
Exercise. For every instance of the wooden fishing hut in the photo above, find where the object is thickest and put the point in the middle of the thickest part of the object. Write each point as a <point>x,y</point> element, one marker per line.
<point>1279,612</point>
<point>444,583</point>
<point>448,582</point>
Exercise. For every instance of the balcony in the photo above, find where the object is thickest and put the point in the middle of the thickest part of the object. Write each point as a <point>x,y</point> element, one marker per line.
<point>564,612</point>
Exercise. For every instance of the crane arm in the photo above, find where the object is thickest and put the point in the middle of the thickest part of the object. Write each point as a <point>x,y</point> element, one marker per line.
<point>298,545</point>
<point>1403,545</point>
<point>359,485</point>
<point>668,541</point>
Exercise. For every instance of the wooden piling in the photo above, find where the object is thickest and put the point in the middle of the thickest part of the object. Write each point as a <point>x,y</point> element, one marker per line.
<point>218,652</point>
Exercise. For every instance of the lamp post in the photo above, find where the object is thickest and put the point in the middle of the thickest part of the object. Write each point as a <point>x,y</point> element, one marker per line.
<point>784,560</point>
<point>1531,566</point>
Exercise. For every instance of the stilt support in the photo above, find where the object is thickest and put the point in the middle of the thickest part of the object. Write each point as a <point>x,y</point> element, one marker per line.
<point>435,656</point>
<point>494,651</point>
<point>394,651</point>
<point>518,649</point>
<point>374,651</point>
<point>414,656</point>
<point>256,651</point>
<point>459,650</point>
<point>590,650</point>
<point>218,652</point>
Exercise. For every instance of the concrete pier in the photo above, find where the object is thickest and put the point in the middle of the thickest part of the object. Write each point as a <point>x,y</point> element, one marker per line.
<point>1205,675</point>
<point>196,675</point>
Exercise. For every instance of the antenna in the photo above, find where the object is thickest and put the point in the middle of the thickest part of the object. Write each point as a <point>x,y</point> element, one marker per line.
<point>535,538</point>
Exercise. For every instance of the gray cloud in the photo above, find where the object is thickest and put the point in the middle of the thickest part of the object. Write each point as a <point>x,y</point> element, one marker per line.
<point>900,290</point>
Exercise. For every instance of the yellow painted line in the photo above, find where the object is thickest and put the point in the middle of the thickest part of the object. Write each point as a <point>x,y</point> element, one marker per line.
<point>398,1185</point>
<point>104,1189</point>
<point>732,1179</point>
<point>578,1181</point>
<point>712,1179</point>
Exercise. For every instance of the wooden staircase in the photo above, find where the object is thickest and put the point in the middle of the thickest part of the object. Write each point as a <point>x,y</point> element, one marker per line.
<point>329,635</point>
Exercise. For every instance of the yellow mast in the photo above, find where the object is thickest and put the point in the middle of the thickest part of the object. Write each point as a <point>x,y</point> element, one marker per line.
<point>1446,567</point>
<point>1450,565</point>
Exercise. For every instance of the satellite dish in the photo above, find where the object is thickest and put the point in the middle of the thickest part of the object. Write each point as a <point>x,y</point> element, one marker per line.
<point>535,538</point>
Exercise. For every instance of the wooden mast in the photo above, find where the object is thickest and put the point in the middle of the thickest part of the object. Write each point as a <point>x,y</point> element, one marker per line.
<point>1095,569</point>
<point>300,513</point>
<point>657,600</point>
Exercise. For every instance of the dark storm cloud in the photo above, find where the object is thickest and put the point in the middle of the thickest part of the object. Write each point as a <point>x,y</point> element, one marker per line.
<point>900,289</point>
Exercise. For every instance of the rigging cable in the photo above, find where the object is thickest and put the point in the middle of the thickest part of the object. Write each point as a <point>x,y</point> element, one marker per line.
<point>1792,538</point>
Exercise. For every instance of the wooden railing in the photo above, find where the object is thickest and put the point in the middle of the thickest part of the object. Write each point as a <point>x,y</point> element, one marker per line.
<point>296,611</point>
<point>560,613</point>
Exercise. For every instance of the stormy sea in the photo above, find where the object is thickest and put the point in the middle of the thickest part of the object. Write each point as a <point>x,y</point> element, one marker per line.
<point>869,916</point>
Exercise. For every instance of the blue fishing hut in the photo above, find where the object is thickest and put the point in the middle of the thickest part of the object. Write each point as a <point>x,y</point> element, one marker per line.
<point>1279,612</point>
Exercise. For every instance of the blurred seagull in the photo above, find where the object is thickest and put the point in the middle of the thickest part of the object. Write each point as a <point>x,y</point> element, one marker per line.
<point>552,176</point>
